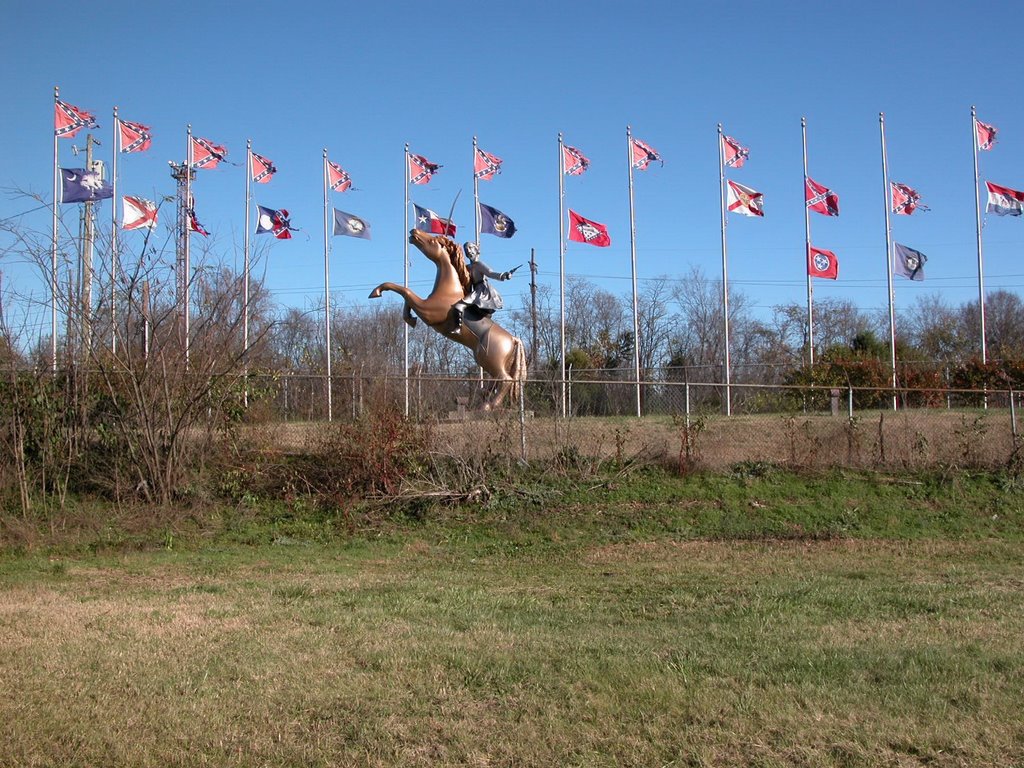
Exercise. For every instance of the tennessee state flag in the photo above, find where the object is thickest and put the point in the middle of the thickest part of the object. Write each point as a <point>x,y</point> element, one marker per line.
<point>583,230</point>
<point>822,263</point>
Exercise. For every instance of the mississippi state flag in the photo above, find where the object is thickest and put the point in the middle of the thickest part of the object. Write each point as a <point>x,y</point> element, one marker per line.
<point>1004,201</point>
<point>822,263</point>
<point>820,198</point>
<point>429,221</point>
<point>744,200</point>
<point>586,231</point>
<point>138,213</point>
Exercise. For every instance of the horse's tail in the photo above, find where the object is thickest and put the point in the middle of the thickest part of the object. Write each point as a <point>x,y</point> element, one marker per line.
<point>517,369</point>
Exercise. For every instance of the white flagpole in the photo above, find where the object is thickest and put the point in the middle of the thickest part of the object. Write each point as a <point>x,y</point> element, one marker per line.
<point>327,290</point>
<point>807,254</point>
<point>53,248</point>
<point>113,235</point>
<point>725,274</point>
<point>187,277</point>
<point>405,326</point>
<point>245,272</point>
<point>561,265</point>
<point>632,255</point>
<point>476,199</point>
<point>888,257</point>
<point>977,212</point>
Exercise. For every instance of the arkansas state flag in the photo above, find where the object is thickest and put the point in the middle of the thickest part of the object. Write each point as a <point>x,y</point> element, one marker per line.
<point>822,263</point>
<point>986,134</point>
<point>206,154</point>
<point>421,169</point>
<point>494,222</point>
<point>573,161</point>
<point>485,165</point>
<point>744,200</point>
<point>905,200</point>
<point>263,170</point>
<point>820,198</point>
<point>586,231</point>
<point>1004,201</point>
<point>135,137</point>
<point>69,120</point>
<point>138,213</point>
<point>644,155</point>
<point>734,154</point>
<point>339,180</point>
<point>274,222</point>
<point>429,221</point>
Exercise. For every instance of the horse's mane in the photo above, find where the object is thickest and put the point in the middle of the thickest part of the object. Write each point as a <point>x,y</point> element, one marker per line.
<point>458,262</point>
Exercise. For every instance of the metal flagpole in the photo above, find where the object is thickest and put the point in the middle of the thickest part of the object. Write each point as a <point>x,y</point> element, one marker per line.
<point>561,264</point>
<point>977,212</point>
<point>187,266</point>
<point>632,254</point>
<point>476,199</point>
<point>113,235</point>
<point>245,273</point>
<point>807,254</point>
<point>888,257</point>
<point>53,249</point>
<point>725,274</point>
<point>327,292</point>
<point>405,326</point>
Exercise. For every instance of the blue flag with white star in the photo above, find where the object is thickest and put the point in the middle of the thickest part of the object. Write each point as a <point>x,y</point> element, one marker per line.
<point>81,186</point>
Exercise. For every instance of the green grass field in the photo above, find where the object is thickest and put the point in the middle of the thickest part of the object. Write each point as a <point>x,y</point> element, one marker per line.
<point>750,618</point>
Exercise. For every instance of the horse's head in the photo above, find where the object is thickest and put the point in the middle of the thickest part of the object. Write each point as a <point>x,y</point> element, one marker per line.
<point>443,251</point>
<point>437,248</point>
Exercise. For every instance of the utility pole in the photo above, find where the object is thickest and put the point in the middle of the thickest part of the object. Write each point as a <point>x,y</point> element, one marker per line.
<point>533,307</point>
<point>85,265</point>
<point>183,175</point>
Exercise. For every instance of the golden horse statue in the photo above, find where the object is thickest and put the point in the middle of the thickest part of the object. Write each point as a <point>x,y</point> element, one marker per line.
<point>495,349</point>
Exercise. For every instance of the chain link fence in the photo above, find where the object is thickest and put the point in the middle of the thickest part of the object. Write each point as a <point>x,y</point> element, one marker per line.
<point>684,423</point>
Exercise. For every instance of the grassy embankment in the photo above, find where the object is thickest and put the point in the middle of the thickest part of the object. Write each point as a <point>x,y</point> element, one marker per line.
<point>755,618</point>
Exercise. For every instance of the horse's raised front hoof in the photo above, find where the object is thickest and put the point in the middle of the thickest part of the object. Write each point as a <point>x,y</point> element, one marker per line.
<point>410,321</point>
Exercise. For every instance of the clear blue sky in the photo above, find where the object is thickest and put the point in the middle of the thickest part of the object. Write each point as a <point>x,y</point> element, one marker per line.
<point>363,79</point>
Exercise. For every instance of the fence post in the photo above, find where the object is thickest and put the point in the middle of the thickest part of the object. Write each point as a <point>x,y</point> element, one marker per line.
<point>687,389</point>
<point>849,401</point>
<point>568,391</point>
<point>1013,416</point>
<point>522,421</point>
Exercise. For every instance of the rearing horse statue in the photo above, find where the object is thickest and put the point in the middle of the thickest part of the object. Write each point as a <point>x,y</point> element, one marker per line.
<point>495,349</point>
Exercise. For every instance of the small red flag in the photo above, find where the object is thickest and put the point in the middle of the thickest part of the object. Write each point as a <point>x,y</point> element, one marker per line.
<point>735,155</point>
<point>584,230</point>
<point>644,154</point>
<point>263,170</point>
<point>206,154</point>
<point>986,134</point>
<point>338,179</point>
<point>135,137</point>
<point>69,120</point>
<point>573,161</point>
<point>485,165</point>
<point>820,198</point>
<point>421,169</point>
<point>822,263</point>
